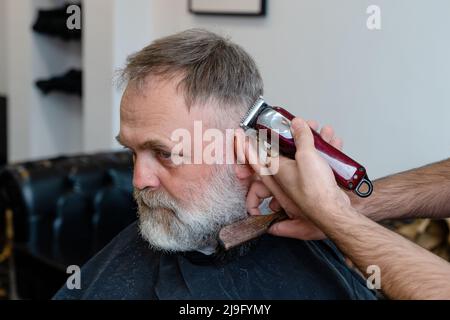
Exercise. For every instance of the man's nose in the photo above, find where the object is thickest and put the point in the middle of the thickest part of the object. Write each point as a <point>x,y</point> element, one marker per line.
<point>144,175</point>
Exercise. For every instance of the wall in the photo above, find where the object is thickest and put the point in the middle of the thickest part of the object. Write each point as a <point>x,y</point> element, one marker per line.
<point>39,126</point>
<point>122,29</point>
<point>19,72</point>
<point>3,60</point>
<point>56,118</point>
<point>98,72</point>
<point>386,92</point>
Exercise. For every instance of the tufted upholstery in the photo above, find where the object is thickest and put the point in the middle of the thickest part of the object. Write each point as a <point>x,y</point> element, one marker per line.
<point>65,210</point>
<point>2,130</point>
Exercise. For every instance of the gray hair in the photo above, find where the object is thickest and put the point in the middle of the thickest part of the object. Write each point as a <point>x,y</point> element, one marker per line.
<point>211,68</point>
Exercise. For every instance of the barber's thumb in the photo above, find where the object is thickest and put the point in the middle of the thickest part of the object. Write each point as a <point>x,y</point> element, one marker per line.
<point>302,134</point>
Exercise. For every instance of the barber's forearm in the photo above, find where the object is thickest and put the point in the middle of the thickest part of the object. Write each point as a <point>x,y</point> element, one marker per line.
<point>419,193</point>
<point>407,270</point>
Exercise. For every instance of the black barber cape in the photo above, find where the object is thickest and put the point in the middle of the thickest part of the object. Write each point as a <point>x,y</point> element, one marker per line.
<point>275,268</point>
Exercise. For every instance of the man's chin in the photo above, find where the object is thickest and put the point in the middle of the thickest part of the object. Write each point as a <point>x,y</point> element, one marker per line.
<point>163,213</point>
<point>161,217</point>
<point>162,229</point>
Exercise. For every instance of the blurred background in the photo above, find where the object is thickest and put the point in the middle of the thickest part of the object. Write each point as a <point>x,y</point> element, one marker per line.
<point>65,190</point>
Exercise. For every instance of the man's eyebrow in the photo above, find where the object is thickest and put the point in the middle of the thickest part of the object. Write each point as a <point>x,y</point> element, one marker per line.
<point>153,144</point>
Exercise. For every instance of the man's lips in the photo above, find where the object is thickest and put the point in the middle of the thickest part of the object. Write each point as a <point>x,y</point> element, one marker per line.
<point>156,207</point>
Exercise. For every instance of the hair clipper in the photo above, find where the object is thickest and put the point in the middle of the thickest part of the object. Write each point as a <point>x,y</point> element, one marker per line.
<point>348,173</point>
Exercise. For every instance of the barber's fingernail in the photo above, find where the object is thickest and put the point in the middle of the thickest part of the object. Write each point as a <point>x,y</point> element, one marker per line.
<point>297,123</point>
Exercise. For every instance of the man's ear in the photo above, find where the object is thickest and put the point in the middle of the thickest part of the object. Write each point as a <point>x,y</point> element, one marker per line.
<point>243,171</point>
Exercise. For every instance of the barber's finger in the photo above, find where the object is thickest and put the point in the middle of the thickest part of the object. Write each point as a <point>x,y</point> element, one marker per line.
<point>256,194</point>
<point>284,169</point>
<point>302,134</point>
<point>287,228</point>
<point>276,190</point>
<point>279,194</point>
<point>274,205</point>
<point>239,146</point>
<point>327,133</point>
<point>267,179</point>
<point>245,148</point>
<point>337,143</point>
<point>313,124</point>
<point>298,229</point>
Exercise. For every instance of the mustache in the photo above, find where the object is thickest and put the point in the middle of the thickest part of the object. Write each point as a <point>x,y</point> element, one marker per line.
<point>154,199</point>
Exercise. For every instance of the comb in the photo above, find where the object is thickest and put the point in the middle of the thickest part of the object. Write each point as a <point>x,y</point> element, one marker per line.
<point>248,229</point>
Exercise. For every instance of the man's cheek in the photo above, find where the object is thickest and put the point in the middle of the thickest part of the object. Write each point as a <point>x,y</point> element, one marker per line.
<point>176,188</point>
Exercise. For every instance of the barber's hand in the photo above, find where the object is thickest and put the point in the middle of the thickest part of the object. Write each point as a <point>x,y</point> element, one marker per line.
<point>298,226</point>
<point>309,180</point>
<point>300,187</point>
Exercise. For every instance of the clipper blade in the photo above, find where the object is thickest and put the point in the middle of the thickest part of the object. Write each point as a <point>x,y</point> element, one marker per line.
<point>252,114</point>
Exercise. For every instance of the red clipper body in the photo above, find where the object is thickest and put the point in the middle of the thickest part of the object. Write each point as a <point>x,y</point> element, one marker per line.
<point>349,174</point>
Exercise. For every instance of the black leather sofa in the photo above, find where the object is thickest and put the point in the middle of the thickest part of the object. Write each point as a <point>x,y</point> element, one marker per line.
<point>64,211</point>
<point>3,138</point>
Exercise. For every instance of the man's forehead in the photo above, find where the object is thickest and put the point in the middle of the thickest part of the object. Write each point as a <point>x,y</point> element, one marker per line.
<point>153,101</point>
<point>153,97</point>
<point>157,111</point>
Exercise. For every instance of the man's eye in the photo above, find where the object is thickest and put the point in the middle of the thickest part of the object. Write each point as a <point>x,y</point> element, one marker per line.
<point>164,155</point>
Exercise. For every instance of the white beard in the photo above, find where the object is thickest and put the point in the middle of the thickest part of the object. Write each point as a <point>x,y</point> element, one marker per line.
<point>169,227</point>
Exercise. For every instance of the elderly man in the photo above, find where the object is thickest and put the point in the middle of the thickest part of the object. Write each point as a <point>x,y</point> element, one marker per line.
<point>172,252</point>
